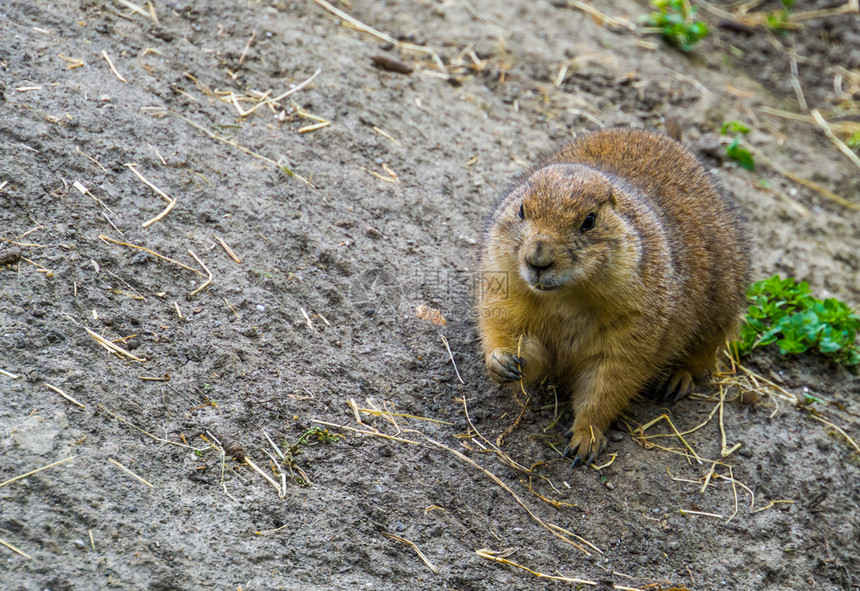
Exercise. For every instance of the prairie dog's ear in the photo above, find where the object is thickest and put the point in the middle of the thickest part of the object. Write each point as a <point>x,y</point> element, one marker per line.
<point>612,200</point>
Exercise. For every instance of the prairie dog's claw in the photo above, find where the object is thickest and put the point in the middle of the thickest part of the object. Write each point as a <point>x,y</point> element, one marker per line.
<point>584,447</point>
<point>503,366</point>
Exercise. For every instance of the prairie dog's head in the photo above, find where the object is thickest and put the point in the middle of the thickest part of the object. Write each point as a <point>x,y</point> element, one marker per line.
<point>566,227</point>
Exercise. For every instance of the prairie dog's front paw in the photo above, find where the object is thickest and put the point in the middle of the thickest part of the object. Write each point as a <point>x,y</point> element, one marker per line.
<point>585,445</point>
<point>503,366</point>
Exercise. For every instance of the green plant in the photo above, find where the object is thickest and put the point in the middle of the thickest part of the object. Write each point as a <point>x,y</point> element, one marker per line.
<point>784,312</point>
<point>734,149</point>
<point>319,435</point>
<point>677,24</point>
<point>778,19</point>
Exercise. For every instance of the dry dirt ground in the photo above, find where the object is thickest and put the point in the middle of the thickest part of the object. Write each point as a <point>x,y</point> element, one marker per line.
<point>383,213</point>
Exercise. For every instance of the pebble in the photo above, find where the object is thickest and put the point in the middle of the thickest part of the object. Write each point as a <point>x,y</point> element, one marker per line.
<point>80,544</point>
<point>261,308</point>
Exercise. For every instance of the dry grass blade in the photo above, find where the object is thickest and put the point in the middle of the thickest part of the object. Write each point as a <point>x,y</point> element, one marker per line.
<point>280,97</point>
<point>451,356</point>
<point>691,512</point>
<point>264,475</point>
<point>130,473</point>
<point>112,68</point>
<point>759,155</point>
<point>155,254</point>
<point>104,409</point>
<point>772,504</point>
<point>496,557</point>
<point>208,272</point>
<point>386,135</point>
<point>84,191</point>
<point>381,413</point>
<point>242,148</point>
<point>379,35</point>
<point>9,375</point>
<point>850,6</point>
<point>676,433</point>
<point>170,202</point>
<point>508,489</point>
<point>502,455</point>
<point>412,545</point>
<point>11,480</point>
<point>133,7</point>
<point>363,432</point>
<point>14,549</point>
<point>838,429</point>
<point>573,535</point>
<point>825,126</point>
<point>112,347</point>
<point>64,395</point>
<point>314,127</point>
<point>600,18</point>
<point>91,159</point>
<point>230,252</point>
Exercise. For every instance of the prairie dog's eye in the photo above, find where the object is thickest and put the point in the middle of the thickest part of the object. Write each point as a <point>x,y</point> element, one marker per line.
<point>589,222</point>
<point>522,212</point>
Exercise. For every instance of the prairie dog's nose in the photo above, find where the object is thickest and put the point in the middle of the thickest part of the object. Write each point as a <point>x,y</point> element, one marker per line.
<point>539,254</point>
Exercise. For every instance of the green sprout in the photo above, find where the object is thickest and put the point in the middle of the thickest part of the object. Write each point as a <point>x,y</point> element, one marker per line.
<point>319,435</point>
<point>734,149</point>
<point>676,21</point>
<point>784,312</point>
<point>778,19</point>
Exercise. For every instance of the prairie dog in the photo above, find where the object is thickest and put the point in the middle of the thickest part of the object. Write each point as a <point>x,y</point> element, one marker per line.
<point>614,265</point>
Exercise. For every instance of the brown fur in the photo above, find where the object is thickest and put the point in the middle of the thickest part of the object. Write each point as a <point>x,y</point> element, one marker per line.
<point>646,297</point>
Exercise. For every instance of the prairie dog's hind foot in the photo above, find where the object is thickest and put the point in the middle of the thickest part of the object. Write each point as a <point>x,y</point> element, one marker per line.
<point>678,386</point>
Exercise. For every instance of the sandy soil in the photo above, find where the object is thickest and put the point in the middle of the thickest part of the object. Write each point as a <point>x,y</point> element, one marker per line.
<point>321,309</point>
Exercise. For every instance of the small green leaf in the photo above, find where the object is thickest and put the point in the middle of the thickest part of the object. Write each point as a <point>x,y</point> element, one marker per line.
<point>740,155</point>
